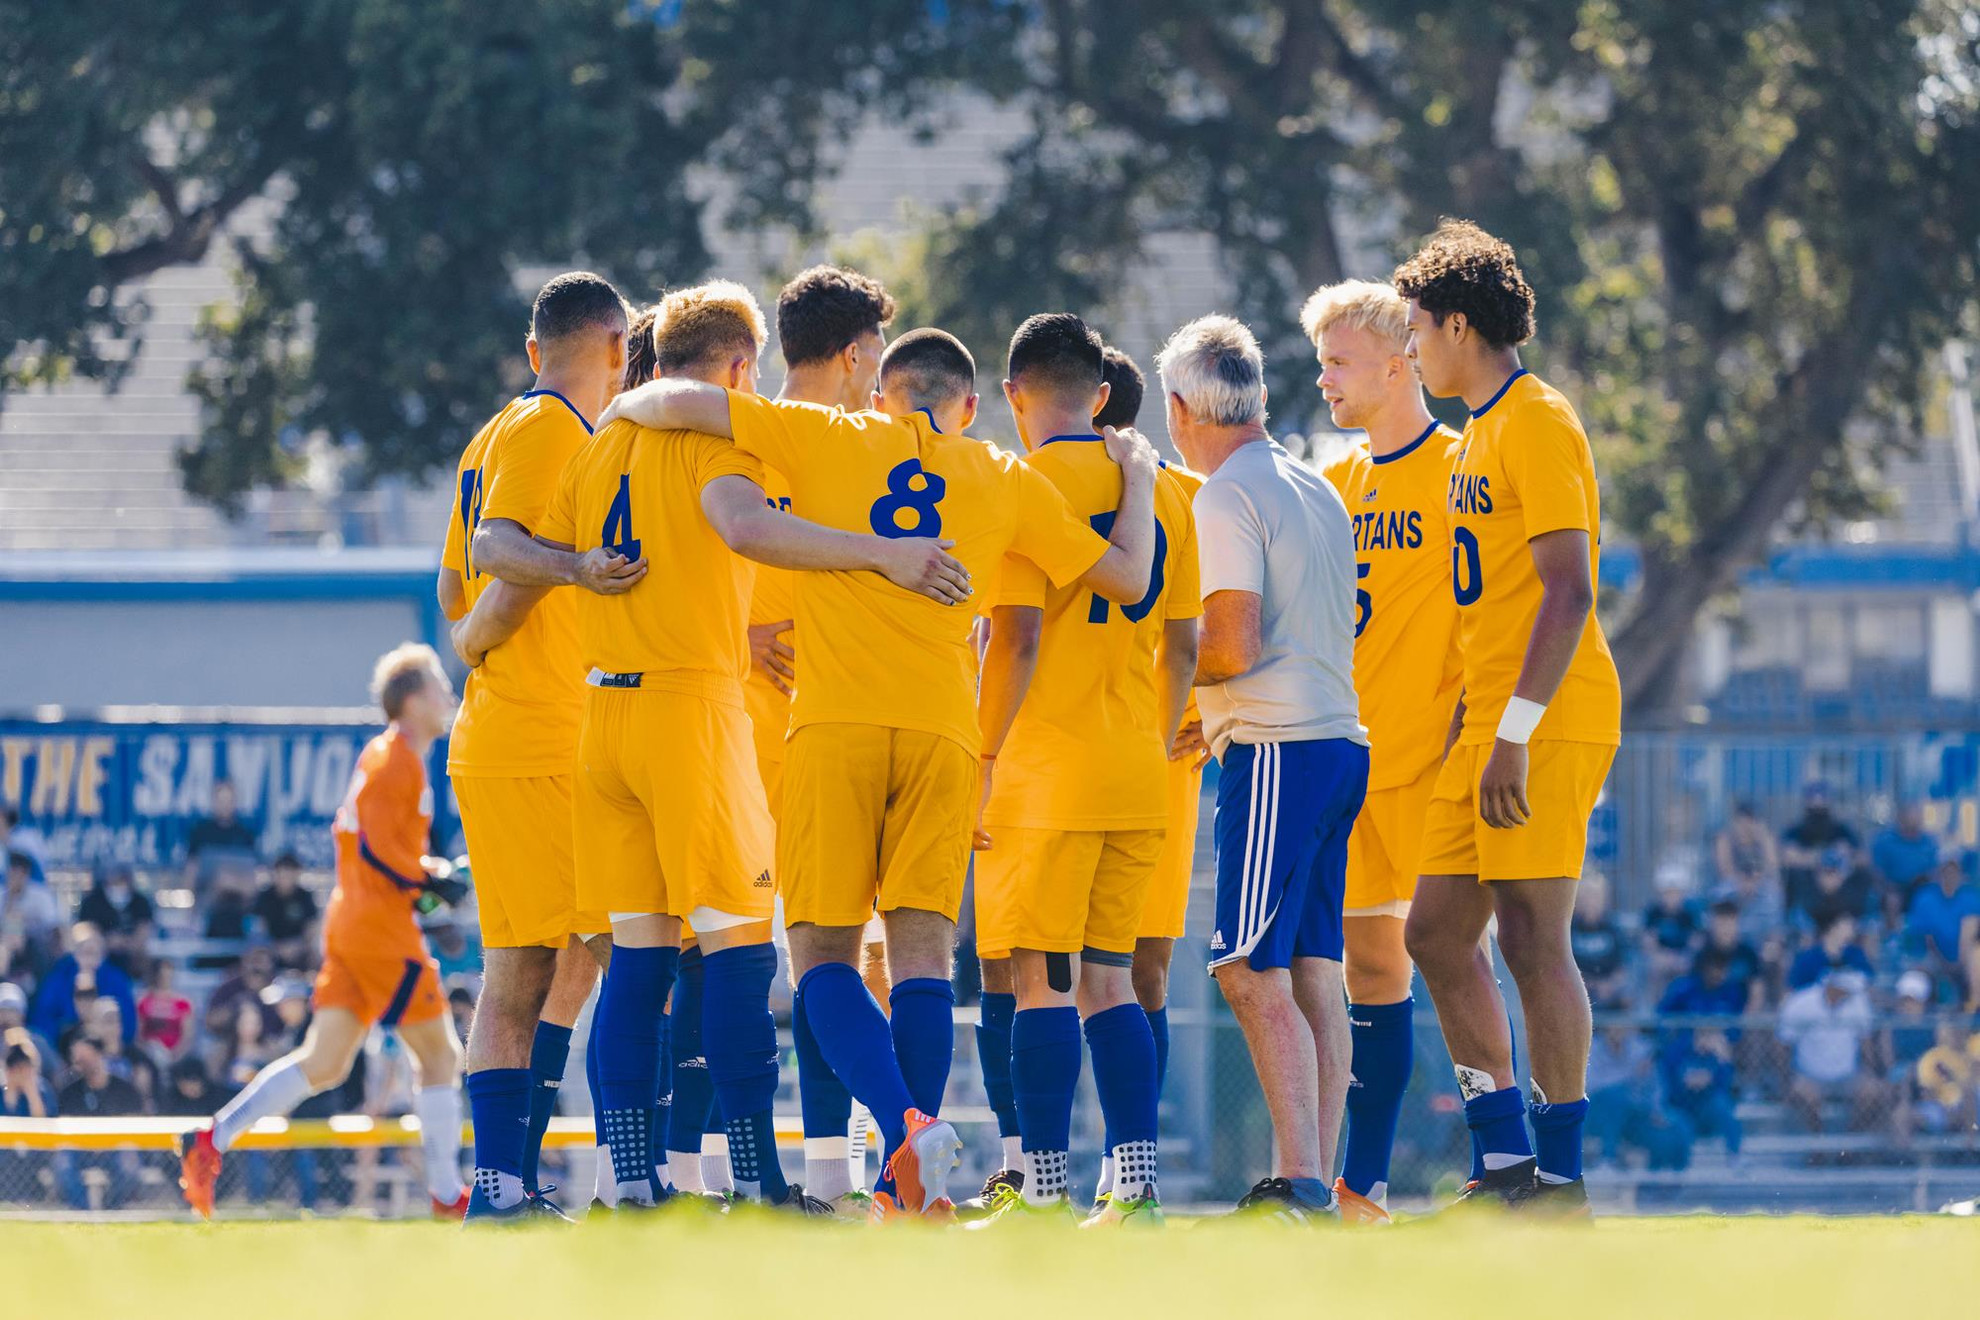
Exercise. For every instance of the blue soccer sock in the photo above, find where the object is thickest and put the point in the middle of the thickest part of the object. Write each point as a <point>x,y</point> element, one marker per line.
<point>1497,1121</point>
<point>498,1098</point>
<point>549,1052</point>
<point>924,1027</point>
<point>741,1040</point>
<point>1123,1051</point>
<point>694,1091</point>
<point>993,1057</point>
<point>1384,1052</point>
<point>826,1107</point>
<point>591,1088</point>
<point>1557,1138</point>
<point>631,1009</point>
<point>1044,1074</point>
<point>857,1044</point>
<point>1158,1026</point>
<point>663,1103</point>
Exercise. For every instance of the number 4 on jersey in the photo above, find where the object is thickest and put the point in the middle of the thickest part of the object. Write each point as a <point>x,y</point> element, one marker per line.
<point>618,534</point>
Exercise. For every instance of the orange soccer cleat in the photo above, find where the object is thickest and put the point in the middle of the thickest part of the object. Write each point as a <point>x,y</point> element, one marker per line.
<point>451,1212</point>
<point>1355,1208</point>
<point>920,1169</point>
<point>199,1170</point>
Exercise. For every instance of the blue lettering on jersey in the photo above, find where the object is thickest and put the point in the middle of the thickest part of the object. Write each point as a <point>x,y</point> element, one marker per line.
<point>1097,608</point>
<point>904,495</point>
<point>618,534</point>
<point>1390,529</point>
<point>1470,493</point>
<point>470,515</point>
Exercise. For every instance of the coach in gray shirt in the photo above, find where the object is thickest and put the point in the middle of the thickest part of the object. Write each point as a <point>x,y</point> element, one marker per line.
<point>1275,683</point>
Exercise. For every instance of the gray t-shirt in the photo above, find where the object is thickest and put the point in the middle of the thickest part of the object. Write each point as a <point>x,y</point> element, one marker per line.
<point>1267,525</point>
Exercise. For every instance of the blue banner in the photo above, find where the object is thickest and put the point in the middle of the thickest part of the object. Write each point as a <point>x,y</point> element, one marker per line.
<point>101,792</point>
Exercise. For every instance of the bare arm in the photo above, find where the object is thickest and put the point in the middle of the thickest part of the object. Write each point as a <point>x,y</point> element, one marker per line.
<point>498,614</point>
<point>1456,726</point>
<point>503,549</point>
<point>735,508</point>
<point>1567,599</point>
<point>1008,664</point>
<point>673,405</point>
<point>1229,642</point>
<point>452,594</point>
<point>1122,574</point>
<point>1176,662</point>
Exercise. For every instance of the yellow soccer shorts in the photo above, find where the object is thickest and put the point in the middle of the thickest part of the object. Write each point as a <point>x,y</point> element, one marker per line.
<point>1563,781</point>
<point>769,720</point>
<point>1064,891</point>
<point>525,878</point>
<point>670,814</point>
<point>1164,914</point>
<point>1384,849</point>
<point>873,816</point>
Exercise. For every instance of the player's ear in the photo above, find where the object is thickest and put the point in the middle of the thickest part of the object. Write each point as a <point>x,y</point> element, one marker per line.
<point>968,412</point>
<point>849,357</point>
<point>535,352</point>
<point>1100,400</point>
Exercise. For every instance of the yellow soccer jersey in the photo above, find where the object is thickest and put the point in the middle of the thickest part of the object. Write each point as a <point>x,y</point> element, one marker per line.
<point>875,653</point>
<point>1524,469</point>
<point>639,491</point>
<point>773,600</point>
<point>520,710</point>
<point>1406,665</point>
<point>1086,751</point>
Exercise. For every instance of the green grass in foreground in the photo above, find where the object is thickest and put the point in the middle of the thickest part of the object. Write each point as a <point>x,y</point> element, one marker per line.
<point>348,1270</point>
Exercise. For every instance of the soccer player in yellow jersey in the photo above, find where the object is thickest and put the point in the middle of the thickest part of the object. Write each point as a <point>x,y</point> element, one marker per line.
<point>1080,700</point>
<point>831,326</point>
<point>1406,674</point>
<point>881,783</point>
<point>512,749</point>
<point>671,822</point>
<point>1536,728</point>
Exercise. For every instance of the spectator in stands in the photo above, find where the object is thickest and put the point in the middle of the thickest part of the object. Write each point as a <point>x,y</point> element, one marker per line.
<point>1699,1083</point>
<point>286,913</point>
<point>249,1047</point>
<point>1622,1102</point>
<point>1707,990</point>
<point>1671,926</point>
<point>28,1093</point>
<point>229,909</point>
<point>1904,853</point>
<point>18,838</point>
<point>189,1092</point>
<point>1722,935</point>
<point>1945,1079</point>
<point>1943,924</point>
<point>164,1015</point>
<point>1912,1033</point>
<point>115,906</point>
<point>14,1025</point>
<point>1840,886</point>
<point>253,974</point>
<point>1744,851</point>
<point>1597,941</point>
<point>93,1089</point>
<point>30,917</point>
<point>460,1003</point>
<point>221,837</point>
<point>77,977</point>
<point>1835,949</point>
<point>1831,1030</point>
<point>1817,830</point>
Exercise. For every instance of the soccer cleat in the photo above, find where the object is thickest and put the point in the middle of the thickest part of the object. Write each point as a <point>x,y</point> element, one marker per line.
<point>1126,1211</point>
<point>797,1201</point>
<point>920,1169</point>
<point>535,1208</point>
<point>450,1211</point>
<point>1355,1208</point>
<point>1007,1206</point>
<point>1961,1209</point>
<point>199,1170</point>
<point>979,1205</point>
<point>1499,1189</point>
<point>1552,1200</point>
<point>1275,1199</point>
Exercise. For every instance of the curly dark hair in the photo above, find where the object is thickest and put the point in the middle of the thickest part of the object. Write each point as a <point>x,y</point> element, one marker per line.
<point>827,307</point>
<point>640,357</point>
<point>1464,269</point>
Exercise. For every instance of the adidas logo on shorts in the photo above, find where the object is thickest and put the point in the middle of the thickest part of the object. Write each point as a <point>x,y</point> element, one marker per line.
<point>762,881</point>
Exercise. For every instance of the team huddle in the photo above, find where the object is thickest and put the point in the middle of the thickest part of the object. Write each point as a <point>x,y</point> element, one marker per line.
<point>820,657</point>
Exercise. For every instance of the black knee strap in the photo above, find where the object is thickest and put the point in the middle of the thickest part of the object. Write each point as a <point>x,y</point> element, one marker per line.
<point>1058,972</point>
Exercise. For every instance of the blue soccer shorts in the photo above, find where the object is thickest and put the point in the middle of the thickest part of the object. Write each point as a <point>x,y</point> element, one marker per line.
<point>1284,813</point>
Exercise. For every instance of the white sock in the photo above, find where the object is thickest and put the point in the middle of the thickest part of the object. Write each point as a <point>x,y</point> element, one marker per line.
<point>1134,1169</point>
<point>439,1110</point>
<point>715,1169</point>
<point>500,1190</point>
<point>827,1167</point>
<point>1044,1176</point>
<point>1379,1194</point>
<point>686,1171</point>
<point>275,1091</point>
<point>603,1180</point>
<point>1498,1159</point>
<point>1013,1154</point>
<point>663,1172</point>
<point>862,1125</point>
<point>1106,1183</point>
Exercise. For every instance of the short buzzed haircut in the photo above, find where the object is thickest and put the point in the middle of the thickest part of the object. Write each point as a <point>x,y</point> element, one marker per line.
<point>574,303</point>
<point>401,672</point>
<point>639,349</point>
<point>1125,388</point>
<point>930,367</point>
<point>1058,352</point>
<point>1461,268</point>
<point>1357,305</point>
<point>1214,365</point>
<point>827,307</point>
<point>695,326</point>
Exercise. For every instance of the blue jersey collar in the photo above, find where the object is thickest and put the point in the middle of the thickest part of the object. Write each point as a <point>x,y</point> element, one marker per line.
<point>1054,439</point>
<point>1486,406</point>
<point>1415,444</point>
<point>531,394</point>
<point>929,413</point>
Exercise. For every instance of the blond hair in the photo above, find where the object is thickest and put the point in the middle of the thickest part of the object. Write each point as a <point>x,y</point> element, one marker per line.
<point>695,324</point>
<point>401,672</point>
<point>1358,305</point>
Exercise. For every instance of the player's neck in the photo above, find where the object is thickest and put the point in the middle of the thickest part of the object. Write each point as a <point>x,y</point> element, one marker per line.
<point>1486,375</point>
<point>584,389</point>
<point>1398,426</point>
<point>419,746</point>
<point>812,383</point>
<point>1044,423</point>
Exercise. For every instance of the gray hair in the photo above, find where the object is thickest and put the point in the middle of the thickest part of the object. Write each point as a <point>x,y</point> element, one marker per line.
<point>1215,366</point>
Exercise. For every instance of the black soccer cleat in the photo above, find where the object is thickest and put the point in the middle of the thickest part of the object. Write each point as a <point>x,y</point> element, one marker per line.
<point>980,1205</point>
<point>797,1201</point>
<point>1274,1199</point>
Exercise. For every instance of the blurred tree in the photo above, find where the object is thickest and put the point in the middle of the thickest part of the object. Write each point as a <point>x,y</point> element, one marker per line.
<point>424,156</point>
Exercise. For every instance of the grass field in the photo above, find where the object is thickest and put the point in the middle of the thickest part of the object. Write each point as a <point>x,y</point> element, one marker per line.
<point>1622,1268</point>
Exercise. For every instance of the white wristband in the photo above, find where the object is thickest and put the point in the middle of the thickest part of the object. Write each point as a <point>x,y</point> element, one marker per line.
<point>1522,717</point>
